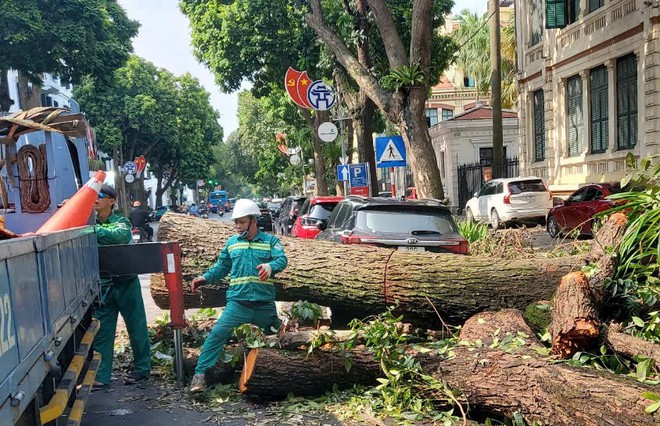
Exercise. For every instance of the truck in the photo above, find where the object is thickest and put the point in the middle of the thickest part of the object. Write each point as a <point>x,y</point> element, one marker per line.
<point>49,283</point>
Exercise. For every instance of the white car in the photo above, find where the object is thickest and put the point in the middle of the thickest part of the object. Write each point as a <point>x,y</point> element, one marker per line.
<point>522,199</point>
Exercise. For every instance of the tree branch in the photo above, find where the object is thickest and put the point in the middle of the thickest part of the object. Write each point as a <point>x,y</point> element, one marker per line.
<point>396,51</point>
<point>421,35</point>
<point>384,100</point>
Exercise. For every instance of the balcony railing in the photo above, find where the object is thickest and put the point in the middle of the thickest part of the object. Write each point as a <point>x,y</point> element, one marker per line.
<point>595,21</point>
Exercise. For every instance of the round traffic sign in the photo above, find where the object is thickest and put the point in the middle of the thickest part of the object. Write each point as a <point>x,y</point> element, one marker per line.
<point>130,167</point>
<point>327,131</point>
<point>294,160</point>
<point>129,178</point>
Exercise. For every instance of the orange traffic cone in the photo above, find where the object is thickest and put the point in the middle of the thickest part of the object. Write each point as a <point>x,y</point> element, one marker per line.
<point>75,212</point>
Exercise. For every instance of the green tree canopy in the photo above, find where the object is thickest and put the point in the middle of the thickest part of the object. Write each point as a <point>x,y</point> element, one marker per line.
<point>69,38</point>
<point>144,110</point>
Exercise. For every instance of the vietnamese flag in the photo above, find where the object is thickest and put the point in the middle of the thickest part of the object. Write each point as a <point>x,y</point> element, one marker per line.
<point>303,84</point>
<point>291,84</point>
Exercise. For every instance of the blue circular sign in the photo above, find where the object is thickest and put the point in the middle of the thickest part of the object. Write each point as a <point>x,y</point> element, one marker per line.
<point>321,96</point>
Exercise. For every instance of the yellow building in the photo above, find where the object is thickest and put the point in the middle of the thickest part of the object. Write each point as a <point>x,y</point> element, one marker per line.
<point>589,87</point>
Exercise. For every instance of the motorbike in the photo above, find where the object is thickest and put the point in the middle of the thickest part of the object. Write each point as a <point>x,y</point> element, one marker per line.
<point>139,235</point>
<point>203,213</point>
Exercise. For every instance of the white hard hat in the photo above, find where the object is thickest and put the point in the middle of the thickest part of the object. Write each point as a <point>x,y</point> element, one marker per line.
<point>245,207</point>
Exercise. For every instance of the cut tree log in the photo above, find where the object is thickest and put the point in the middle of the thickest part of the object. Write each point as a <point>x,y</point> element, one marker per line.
<point>628,345</point>
<point>360,280</point>
<point>506,381</point>
<point>604,254</point>
<point>575,325</point>
<point>274,373</point>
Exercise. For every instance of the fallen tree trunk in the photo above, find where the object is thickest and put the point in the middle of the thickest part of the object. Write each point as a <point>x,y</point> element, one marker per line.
<point>364,279</point>
<point>503,380</point>
<point>628,345</point>
<point>275,373</point>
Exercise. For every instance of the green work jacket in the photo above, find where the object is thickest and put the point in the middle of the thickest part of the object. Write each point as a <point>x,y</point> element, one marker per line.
<point>240,258</point>
<point>115,230</point>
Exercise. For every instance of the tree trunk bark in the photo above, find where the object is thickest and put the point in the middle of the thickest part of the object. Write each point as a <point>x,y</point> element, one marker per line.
<point>496,381</point>
<point>274,373</point>
<point>538,388</point>
<point>629,345</point>
<point>364,279</point>
<point>29,97</point>
<point>575,325</point>
<point>5,100</point>
<point>604,253</point>
<point>420,152</point>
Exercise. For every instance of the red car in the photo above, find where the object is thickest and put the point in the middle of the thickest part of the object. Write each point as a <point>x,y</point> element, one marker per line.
<point>577,211</point>
<point>313,211</point>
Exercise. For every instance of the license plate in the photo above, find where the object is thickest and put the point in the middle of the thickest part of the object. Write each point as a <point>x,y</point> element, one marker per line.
<point>412,248</point>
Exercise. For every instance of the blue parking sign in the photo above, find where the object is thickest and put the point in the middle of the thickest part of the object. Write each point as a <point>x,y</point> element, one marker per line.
<point>358,175</point>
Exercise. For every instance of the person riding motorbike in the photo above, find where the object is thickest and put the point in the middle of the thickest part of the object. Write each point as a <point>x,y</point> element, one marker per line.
<point>139,218</point>
<point>202,210</point>
<point>193,211</point>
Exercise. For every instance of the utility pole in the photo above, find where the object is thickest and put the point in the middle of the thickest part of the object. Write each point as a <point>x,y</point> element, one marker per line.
<point>496,87</point>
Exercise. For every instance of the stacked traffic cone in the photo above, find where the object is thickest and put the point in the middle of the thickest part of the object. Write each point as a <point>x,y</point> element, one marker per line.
<point>75,212</point>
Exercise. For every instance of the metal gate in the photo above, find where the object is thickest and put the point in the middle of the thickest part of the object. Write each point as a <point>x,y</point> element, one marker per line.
<point>471,178</point>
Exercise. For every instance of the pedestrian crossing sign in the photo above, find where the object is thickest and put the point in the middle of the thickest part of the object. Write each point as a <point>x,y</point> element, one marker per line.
<point>390,152</point>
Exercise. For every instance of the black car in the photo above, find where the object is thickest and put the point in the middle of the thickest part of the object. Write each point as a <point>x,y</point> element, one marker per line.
<point>287,214</point>
<point>264,222</point>
<point>417,226</point>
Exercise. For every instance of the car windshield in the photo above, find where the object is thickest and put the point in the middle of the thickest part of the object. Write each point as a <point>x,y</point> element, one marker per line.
<point>321,211</point>
<point>405,222</point>
<point>297,204</point>
<point>273,206</point>
<point>518,187</point>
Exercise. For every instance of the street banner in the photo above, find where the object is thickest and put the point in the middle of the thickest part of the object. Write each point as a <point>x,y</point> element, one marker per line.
<point>302,87</point>
<point>291,84</point>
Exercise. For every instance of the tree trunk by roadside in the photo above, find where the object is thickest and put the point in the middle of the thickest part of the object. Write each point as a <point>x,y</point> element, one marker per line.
<point>28,96</point>
<point>275,373</point>
<point>363,280</point>
<point>5,100</point>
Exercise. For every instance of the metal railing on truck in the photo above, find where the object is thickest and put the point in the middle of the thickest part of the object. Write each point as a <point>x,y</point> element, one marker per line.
<point>47,286</point>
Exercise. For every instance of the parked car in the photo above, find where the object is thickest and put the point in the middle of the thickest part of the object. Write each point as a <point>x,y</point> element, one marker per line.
<point>160,211</point>
<point>416,226</point>
<point>288,213</point>
<point>578,210</point>
<point>274,206</point>
<point>501,201</point>
<point>265,221</point>
<point>313,211</point>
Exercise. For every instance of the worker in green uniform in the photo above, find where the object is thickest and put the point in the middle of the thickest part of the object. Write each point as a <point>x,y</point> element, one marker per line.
<point>250,258</point>
<point>119,295</point>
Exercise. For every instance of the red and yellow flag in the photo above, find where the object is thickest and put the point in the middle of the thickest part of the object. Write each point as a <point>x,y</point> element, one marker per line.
<point>291,84</point>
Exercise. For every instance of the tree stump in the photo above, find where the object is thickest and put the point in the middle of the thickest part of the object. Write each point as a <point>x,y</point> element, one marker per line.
<point>575,324</point>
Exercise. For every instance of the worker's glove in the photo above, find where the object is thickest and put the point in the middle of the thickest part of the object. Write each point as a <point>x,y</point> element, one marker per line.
<point>265,271</point>
<point>197,282</point>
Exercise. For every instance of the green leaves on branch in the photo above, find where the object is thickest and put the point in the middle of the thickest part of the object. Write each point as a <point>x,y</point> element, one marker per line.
<point>404,77</point>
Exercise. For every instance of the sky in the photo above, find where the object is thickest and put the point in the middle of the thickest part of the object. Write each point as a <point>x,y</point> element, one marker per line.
<point>164,39</point>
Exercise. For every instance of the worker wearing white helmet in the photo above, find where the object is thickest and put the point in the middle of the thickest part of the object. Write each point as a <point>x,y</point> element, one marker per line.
<point>250,258</point>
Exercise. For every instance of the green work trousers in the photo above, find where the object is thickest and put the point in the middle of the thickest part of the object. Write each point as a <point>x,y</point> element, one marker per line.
<point>125,299</point>
<point>261,314</point>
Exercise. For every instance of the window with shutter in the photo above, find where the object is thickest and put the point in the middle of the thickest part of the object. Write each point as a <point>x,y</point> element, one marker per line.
<point>575,115</point>
<point>595,4</point>
<point>536,21</point>
<point>626,101</point>
<point>539,126</point>
<point>555,13</point>
<point>599,110</point>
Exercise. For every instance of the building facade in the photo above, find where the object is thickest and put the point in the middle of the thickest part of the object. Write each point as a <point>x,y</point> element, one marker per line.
<point>589,88</point>
<point>467,140</point>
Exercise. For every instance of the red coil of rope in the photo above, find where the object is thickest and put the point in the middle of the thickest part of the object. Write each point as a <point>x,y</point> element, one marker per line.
<point>33,178</point>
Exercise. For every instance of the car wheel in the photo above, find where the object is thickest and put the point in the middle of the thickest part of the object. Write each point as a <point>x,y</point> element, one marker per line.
<point>469,217</point>
<point>553,227</point>
<point>495,220</point>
